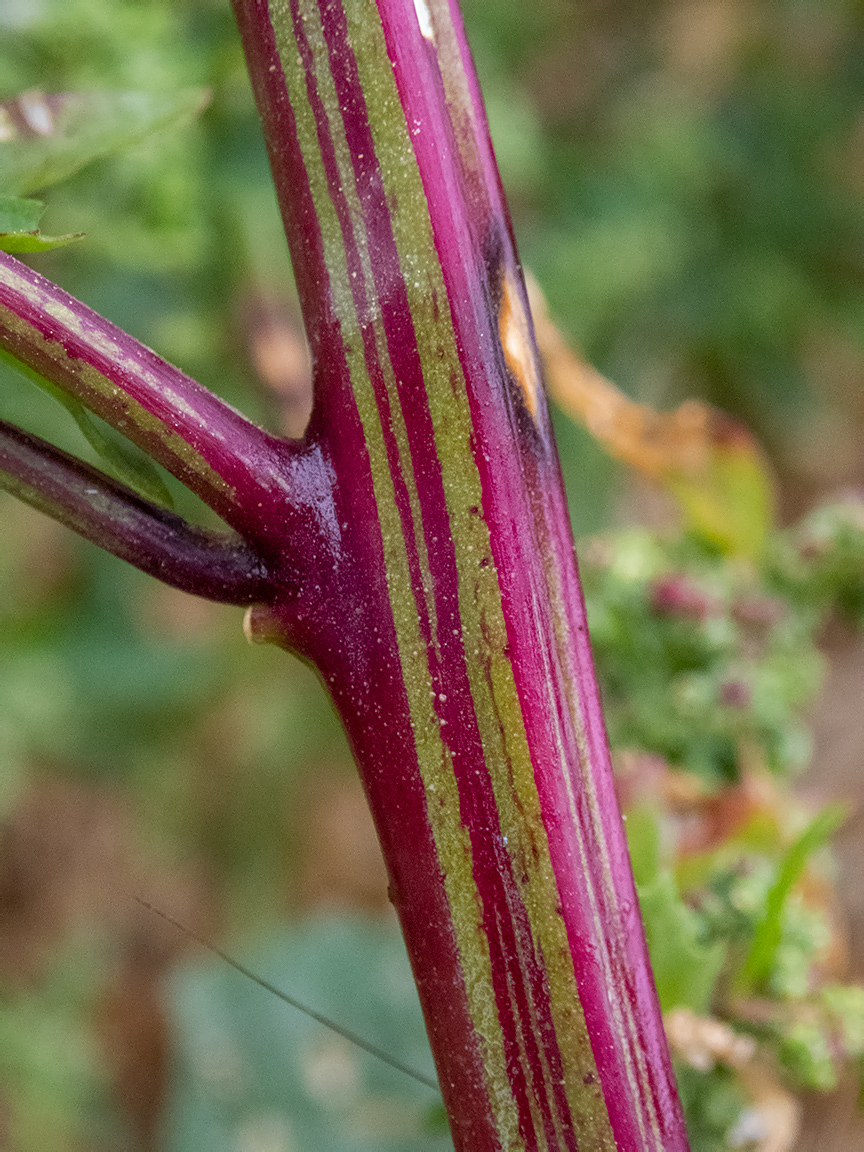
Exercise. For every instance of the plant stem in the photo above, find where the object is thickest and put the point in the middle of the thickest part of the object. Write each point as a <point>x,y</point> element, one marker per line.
<point>216,565</point>
<point>228,461</point>
<point>453,636</point>
<point>276,494</point>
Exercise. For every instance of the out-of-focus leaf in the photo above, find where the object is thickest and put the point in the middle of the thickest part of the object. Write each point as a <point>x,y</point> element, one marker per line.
<point>685,969</point>
<point>51,1103</point>
<point>709,462</point>
<point>250,1072</point>
<point>727,494</point>
<point>806,1053</point>
<point>846,1007</point>
<point>125,461</point>
<point>713,1103</point>
<point>766,939</point>
<point>643,842</point>
<point>18,214</point>
<point>821,560</point>
<point>47,138</point>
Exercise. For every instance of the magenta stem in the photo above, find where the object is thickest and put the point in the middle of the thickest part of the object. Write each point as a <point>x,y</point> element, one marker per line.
<point>455,645</point>
<point>218,566</point>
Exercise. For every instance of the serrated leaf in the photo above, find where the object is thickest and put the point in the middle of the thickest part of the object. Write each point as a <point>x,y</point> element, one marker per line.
<point>125,461</point>
<point>685,969</point>
<point>47,138</point>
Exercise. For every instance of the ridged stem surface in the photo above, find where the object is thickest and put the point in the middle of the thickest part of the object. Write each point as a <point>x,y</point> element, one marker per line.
<point>458,655</point>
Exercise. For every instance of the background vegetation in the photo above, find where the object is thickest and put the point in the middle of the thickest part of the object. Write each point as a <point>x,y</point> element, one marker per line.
<point>685,178</point>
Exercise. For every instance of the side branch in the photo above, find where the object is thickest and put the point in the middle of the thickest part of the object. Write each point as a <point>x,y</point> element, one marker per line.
<point>217,566</point>
<point>228,461</point>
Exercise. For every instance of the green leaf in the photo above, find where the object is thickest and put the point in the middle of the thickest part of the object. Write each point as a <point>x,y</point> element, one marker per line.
<point>730,498</point>
<point>769,929</point>
<point>126,462</point>
<point>48,138</point>
<point>35,241</point>
<point>806,1053</point>
<point>19,215</point>
<point>685,969</point>
<point>644,842</point>
<point>250,1072</point>
<point>19,231</point>
<point>713,1104</point>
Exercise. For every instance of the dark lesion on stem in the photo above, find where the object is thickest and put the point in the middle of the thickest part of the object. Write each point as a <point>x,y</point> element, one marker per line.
<point>219,566</point>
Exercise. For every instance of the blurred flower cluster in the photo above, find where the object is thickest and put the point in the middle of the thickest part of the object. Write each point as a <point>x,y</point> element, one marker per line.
<point>709,665</point>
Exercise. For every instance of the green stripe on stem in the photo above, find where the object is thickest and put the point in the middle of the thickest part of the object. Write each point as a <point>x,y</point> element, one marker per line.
<point>425,378</point>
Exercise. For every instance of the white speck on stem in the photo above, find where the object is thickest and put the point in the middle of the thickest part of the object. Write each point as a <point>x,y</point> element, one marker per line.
<point>424,19</point>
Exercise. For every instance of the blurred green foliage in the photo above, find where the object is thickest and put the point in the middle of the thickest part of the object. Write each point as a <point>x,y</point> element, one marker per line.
<point>710,1115</point>
<point>688,193</point>
<point>244,1069</point>
<point>708,668</point>
<point>685,179</point>
<point>55,1102</point>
